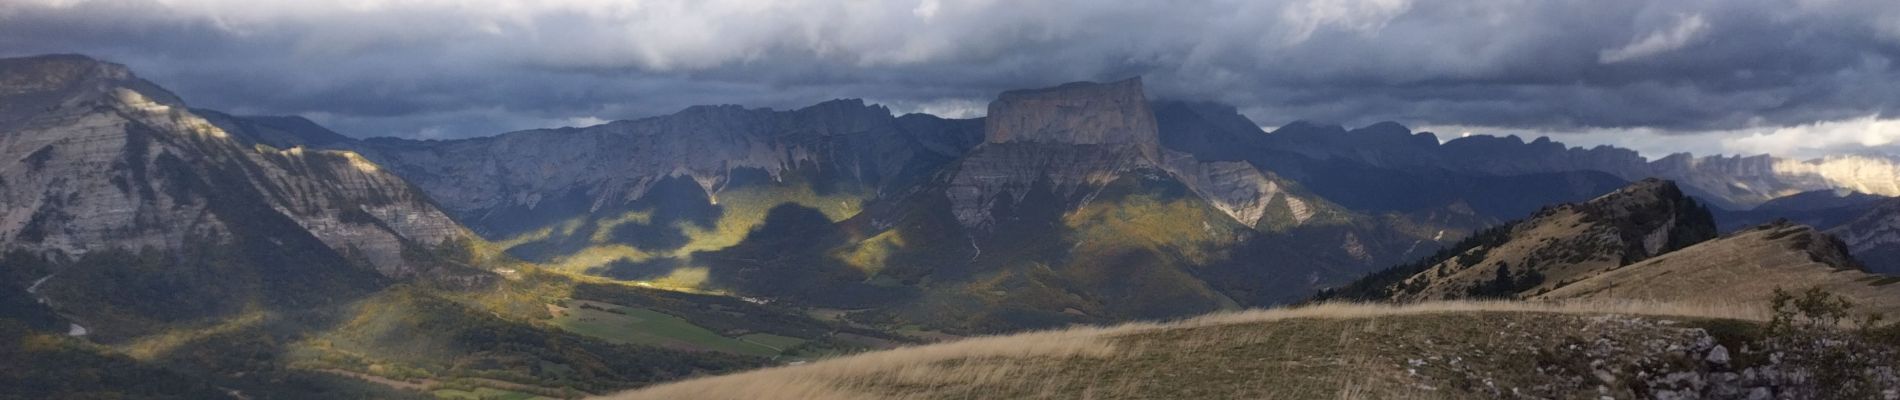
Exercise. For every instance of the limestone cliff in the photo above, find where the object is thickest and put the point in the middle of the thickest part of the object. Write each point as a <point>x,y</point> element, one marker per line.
<point>493,182</point>
<point>96,158</point>
<point>1075,113</point>
<point>1874,236</point>
<point>1076,137</point>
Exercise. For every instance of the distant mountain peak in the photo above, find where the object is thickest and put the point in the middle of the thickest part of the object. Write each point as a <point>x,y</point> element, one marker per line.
<point>29,84</point>
<point>1385,127</point>
<point>1648,188</point>
<point>1075,113</point>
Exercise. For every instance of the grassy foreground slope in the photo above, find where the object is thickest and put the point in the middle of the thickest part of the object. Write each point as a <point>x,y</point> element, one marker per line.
<point>1431,351</point>
<point>1745,268</point>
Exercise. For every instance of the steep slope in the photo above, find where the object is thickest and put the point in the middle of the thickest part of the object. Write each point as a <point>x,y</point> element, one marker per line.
<point>188,254</point>
<point>503,185</point>
<point>1874,236</point>
<point>1555,247</point>
<point>114,195</point>
<point>1113,113</point>
<point>1016,220</point>
<point>1079,136</point>
<point>636,200</point>
<point>1051,222</point>
<point>1745,268</point>
<point>282,132</point>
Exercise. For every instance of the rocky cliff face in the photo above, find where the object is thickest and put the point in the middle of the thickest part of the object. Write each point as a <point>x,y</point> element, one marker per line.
<point>488,181</point>
<point>1874,237</point>
<point>1864,174</point>
<point>1077,137</point>
<point>999,171</point>
<point>99,159</point>
<point>1114,113</point>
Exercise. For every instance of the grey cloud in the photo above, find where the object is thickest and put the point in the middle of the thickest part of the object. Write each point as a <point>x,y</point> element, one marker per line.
<point>463,69</point>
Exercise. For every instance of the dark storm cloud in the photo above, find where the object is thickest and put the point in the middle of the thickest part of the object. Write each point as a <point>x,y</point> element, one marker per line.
<point>451,69</point>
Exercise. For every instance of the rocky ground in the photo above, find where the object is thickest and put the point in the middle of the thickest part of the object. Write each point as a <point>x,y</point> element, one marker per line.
<point>1461,351</point>
<point>1620,356</point>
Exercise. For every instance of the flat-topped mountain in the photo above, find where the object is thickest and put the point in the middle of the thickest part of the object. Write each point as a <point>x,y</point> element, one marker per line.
<point>1078,113</point>
<point>1078,137</point>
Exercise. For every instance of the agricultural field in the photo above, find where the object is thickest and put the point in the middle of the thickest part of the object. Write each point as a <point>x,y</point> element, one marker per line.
<point>629,325</point>
<point>483,394</point>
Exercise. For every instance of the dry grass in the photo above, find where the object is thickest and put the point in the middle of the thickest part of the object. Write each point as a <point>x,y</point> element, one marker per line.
<point>1020,366</point>
<point>1745,268</point>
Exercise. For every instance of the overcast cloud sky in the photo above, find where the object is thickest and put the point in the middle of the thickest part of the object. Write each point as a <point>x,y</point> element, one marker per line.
<point>1796,77</point>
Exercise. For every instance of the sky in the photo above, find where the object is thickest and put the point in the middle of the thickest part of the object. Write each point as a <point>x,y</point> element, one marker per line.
<point>1801,78</point>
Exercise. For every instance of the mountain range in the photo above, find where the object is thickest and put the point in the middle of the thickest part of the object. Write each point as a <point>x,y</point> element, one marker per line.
<point>580,260</point>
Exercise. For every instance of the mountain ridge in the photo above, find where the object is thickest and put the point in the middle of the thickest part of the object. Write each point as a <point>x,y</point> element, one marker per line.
<point>1546,250</point>
<point>105,171</point>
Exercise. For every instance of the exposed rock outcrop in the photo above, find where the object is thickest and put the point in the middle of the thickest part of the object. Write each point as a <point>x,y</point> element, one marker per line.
<point>1076,137</point>
<point>492,182</point>
<point>1011,170</point>
<point>1075,113</point>
<point>1874,236</point>
<point>99,159</point>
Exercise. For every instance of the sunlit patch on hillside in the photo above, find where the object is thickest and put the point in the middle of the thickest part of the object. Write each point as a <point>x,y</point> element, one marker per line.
<point>683,278</point>
<point>187,121</point>
<point>870,255</point>
<point>739,211</point>
<point>1286,212</point>
<point>745,208</point>
<point>596,257</point>
<point>357,161</point>
<point>162,344</point>
<point>605,226</point>
<point>564,228</point>
<point>1145,221</point>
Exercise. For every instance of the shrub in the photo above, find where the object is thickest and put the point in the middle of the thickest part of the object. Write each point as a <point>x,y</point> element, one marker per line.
<point>1814,308</point>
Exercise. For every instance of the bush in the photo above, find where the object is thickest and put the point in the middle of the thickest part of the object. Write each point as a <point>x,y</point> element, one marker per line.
<point>1806,331</point>
<point>1813,309</point>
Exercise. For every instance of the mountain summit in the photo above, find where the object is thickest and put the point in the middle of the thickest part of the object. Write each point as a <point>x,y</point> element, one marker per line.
<point>1554,247</point>
<point>132,211</point>
<point>1076,113</point>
